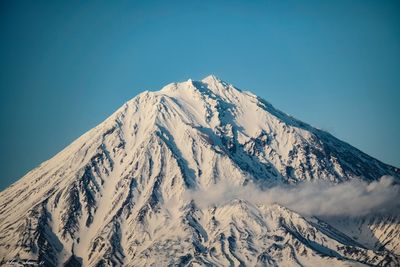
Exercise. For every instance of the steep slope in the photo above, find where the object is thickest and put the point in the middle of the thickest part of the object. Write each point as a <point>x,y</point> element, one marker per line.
<point>118,195</point>
<point>374,232</point>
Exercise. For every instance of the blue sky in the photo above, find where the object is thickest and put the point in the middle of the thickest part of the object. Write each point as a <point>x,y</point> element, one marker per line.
<point>67,65</point>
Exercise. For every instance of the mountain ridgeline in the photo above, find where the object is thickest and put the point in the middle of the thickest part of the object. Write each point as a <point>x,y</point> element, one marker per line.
<point>120,195</point>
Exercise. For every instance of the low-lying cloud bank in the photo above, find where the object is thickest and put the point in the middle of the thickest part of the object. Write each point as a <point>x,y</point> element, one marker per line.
<point>353,198</point>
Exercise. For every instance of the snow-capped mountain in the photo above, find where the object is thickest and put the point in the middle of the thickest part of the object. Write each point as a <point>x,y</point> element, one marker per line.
<point>120,194</point>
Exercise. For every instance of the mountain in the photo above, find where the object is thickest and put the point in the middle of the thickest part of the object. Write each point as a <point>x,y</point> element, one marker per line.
<point>121,193</point>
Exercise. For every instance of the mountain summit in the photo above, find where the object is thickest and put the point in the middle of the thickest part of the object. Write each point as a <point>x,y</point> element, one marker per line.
<point>121,193</point>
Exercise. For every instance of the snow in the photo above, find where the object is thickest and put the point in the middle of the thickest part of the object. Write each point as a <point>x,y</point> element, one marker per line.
<point>118,195</point>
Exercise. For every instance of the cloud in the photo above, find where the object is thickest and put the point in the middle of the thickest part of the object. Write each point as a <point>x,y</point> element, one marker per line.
<point>353,198</point>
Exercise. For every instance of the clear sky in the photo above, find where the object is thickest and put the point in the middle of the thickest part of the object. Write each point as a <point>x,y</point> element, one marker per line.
<point>67,65</point>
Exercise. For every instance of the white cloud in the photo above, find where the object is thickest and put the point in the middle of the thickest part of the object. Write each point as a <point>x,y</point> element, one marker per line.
<point>353,198</point>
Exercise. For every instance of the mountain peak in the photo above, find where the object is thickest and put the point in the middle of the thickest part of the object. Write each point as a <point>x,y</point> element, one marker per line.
<point>211,78</point>
<point>211,83</point>
<point>215,82</point>
<point>134,190</point>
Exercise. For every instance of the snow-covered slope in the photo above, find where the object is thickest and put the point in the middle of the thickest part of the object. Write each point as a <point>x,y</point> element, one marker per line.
<point>120,194</point>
